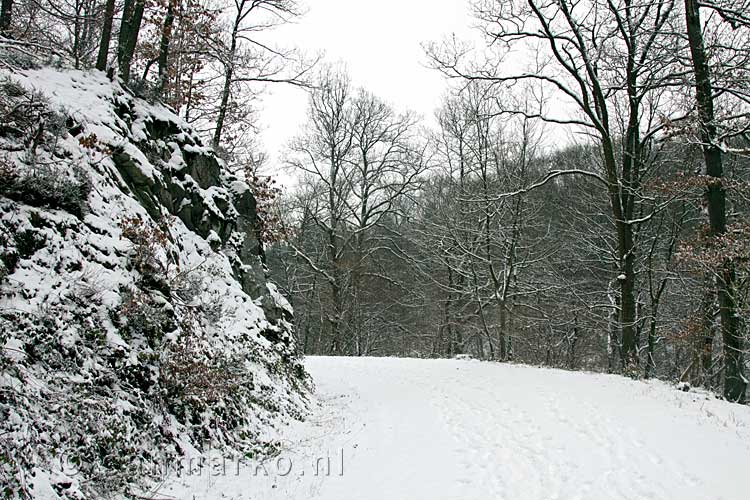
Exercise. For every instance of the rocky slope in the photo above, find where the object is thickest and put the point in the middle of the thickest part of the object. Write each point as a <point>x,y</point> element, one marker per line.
<point>135,316</point>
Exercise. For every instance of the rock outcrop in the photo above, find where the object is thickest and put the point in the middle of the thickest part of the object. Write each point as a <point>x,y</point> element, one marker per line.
<point>135,315</point>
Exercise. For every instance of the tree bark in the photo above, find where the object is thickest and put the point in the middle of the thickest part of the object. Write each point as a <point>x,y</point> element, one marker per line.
<point>715,195</point>
<point>227,90</point>
<point>613,321</point>
<point>651,347</point>
<point>450,347</point>
<point>166,38</point>
<point>6,16</point>
<point>572,360</point>
<point>631,161</point>
<point>501,337</point>
<point>628,347</point>
<point>704,344</point>
<point>132,16</point>
<point>106,38</point>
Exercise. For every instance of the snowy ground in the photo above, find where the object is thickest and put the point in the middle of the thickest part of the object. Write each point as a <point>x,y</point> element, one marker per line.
<point>407,429</point>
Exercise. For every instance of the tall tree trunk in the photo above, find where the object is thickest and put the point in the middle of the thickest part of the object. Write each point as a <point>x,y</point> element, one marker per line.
<point>630,186</point>
<point>704,344</point>
<point>572,360</point>
<point>621,197</point>
<point>189,97</point>
<point>77,37</point>
<point>225,94</point>
<point>166,38</point>
<point>6,16</point>
<point>628,347</point>
<point>715,195</point>
<point>128,8</point>
<point>227,90</point>
<point>510,332</point>
<point>453,344</point>
<point>501,337</point>
<point>613,322</point>
<point>130,26</point>
<point>335,320</point>
<point>651,343</point>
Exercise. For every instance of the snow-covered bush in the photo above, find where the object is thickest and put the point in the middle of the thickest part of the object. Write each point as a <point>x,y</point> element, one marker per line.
<point>29,124</point>
<point>148,241</point>
<point>48,186</point>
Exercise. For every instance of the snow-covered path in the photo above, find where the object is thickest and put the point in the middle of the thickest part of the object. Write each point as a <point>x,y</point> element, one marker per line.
<point>405,429</point>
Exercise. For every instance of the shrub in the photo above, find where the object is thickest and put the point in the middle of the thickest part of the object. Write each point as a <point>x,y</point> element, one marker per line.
<point>27,117</point>
<point>266,193</point>
<point>47,186</point>
<point>140,316</point>
<point>187,374</point>
<point>148,241</point>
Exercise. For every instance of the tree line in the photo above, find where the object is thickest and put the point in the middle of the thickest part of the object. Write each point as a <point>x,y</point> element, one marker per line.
<point>617,245</point>
<point>208,59</point>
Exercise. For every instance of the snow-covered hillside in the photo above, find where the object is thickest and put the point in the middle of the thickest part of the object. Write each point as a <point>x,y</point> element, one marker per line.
<point>135,318</point>
<point>413,429</point>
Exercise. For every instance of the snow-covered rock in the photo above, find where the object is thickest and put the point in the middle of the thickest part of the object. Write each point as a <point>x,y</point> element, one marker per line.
<point>135,317</point>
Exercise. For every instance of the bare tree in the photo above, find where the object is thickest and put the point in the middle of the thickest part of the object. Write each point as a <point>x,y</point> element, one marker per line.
<point>606,60</point>
<point>715,195</point>
<point>246,59</point>
<point>362,156</point>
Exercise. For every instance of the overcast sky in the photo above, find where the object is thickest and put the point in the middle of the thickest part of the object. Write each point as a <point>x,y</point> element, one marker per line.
<point>380,43</point>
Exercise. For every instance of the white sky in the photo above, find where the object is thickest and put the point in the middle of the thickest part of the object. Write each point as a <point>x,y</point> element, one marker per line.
<point>380,43</point>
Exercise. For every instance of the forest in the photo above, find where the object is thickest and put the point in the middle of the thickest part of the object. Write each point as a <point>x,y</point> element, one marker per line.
<point>583,207</point>
<point>580,199</point>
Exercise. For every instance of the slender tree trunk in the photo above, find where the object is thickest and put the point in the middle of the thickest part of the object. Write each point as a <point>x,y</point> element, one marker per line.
<point>613,322</point>
<point>77,21</point>
<point>704,345</point>
<point>501,337</point>
<point>189,98</point>
<point>306,340</point>
<point>333,249</point>
<point>479,345</point>
<point>461,341</point>
<point>572,360</point>
<point>132,16</point>
<point>625,304</point>
<point>452,346</point>
<point>486,329</point>
<point>650,368</point>
<point>510,332</point>
<point>630,186</point>
<point>707,359</point>
<point>90,30</point>
<point>734,380</point>
<point>6,16</point>
<point>437,340</point>
<point>221,118</point>
<point>166,38</point>
<point>335,319</point>
<point>628,349</point>
<point>128,8</point>
<point>227,90</point>
<point>651,346</point>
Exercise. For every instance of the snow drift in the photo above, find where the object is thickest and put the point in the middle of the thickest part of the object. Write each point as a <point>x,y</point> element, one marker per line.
<point>135,317</point>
